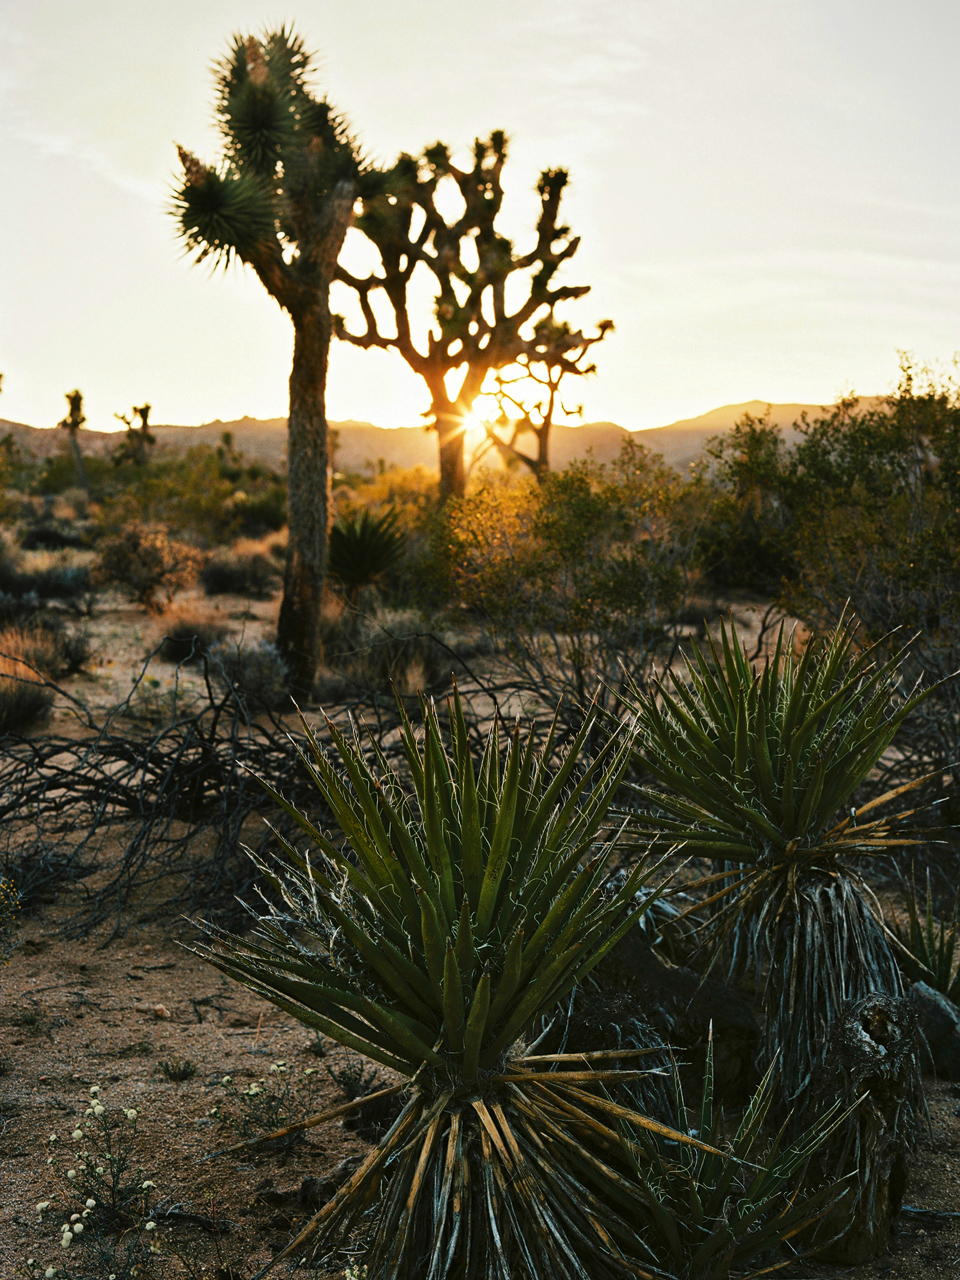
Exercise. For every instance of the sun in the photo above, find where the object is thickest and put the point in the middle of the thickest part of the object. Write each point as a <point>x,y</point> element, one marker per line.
<point>474,429</point>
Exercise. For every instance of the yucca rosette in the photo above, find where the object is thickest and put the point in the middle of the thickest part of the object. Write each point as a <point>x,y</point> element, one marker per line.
<point>462,906</point>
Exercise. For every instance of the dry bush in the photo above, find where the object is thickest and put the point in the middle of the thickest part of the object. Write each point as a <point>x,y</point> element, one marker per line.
<point>188,634</point>
<point>24,694</point>
<point>247,569</point>
<point>256,675</point>
<point>369,653</point>
<point>147,565</point>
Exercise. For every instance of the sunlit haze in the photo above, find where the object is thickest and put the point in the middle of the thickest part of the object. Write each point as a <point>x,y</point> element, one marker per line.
<point>768,194</point>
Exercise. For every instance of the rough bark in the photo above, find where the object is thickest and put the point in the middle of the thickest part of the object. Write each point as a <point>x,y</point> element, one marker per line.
<point>453,475</point>
<point>78,462</point>
<point>870,1064</point>
<point>308,457</point>
<point>308,494</point>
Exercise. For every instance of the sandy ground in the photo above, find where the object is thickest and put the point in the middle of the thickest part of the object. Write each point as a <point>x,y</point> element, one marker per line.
<point>76,1016</point>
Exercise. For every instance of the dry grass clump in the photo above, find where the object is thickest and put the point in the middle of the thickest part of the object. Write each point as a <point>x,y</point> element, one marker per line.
<point>25,658</point>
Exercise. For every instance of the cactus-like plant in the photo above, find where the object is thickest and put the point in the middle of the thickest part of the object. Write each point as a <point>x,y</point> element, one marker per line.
<point>457,913</point>
<point>756,770</point>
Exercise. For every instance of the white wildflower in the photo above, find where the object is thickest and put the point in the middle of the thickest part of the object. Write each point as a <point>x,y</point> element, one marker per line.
<point>43,1206</point>
<point>131,1113</point>
<point>91,1204</point>
<point>151,1226</point>
<point>98,1110</point>
<point>94,1090</point>
<point>77,1135</point>
<point>144,1185</point>
<point>53,1138</point>
<point>78,1228</point>
<point>71,1174</point>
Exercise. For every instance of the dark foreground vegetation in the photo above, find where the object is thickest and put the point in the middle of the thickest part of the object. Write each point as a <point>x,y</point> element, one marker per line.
<point>646,918</point>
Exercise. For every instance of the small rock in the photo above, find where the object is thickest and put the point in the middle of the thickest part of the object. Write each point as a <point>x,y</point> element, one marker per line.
<point>939,1020</point>
<point>160,1012</point>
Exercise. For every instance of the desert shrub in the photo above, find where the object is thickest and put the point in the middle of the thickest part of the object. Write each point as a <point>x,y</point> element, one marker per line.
<point>869,503</point>
<point>746,539</point>
<point>159,704</point>
<point>189,635</point>
<point>253,574</point>
<point>261,513</point>
<point>256,673</point>
<point>364,549</point>
<point>54,535</point>
<point>9,910</point>
<point>211,495</point>
<point>147,565</point>
<point>421,576</point>
<point>581,581</point>
<point>708,1215</point>
<point>42,640</point>
<point>756,770</point>
<point>24,695</point>
<point>369,653</point>
<point>19,610</point>
<point>929,948</point>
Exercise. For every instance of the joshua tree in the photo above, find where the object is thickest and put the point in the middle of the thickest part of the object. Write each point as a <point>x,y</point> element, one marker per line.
<point>137,440</point>
<point>557,352</point>
<point>280,202</point>
<point>473,265</point>
<point>72,424</point>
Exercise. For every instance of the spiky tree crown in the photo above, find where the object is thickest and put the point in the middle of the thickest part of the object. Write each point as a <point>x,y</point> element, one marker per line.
<point>286,154</point>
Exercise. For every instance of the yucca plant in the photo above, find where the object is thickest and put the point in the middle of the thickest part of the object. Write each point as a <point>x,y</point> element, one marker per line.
<point>929,948</point>
<point>711,1216</point>
<point>364,549</point>
<point>461,909</point>
<point>757,771</point>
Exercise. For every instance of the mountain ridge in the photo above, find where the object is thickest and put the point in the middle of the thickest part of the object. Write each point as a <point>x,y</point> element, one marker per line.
<point>361,445</point>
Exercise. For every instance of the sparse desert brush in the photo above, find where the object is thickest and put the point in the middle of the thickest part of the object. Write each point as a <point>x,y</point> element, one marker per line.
<point>246,569</point>
<point>368,653</point>
<point>256,674</point>
<point>188,634</point>
<point>147,565</point>
<point>25,695</point>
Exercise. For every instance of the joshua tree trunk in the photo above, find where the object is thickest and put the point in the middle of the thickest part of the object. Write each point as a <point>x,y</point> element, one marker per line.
<point>79,463</point>
<point>453,476</point>
<point>308,490</point>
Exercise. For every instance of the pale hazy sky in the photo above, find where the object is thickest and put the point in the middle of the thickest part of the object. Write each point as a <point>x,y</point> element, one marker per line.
<point>767,190</point>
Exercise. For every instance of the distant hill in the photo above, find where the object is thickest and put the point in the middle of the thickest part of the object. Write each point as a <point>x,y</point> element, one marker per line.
<point>360,445</point>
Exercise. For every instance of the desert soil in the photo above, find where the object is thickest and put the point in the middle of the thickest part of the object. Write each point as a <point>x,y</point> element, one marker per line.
<point>79,1014</point>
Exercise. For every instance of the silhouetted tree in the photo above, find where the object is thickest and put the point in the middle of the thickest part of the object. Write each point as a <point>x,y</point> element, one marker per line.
<point>280,202</point>
<point>137,440</point>
<point>474,267</point>
<point>72,424</point>
<point>557,353</point>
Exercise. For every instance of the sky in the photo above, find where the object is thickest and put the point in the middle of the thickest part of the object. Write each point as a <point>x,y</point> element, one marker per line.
<point>767,192</point>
